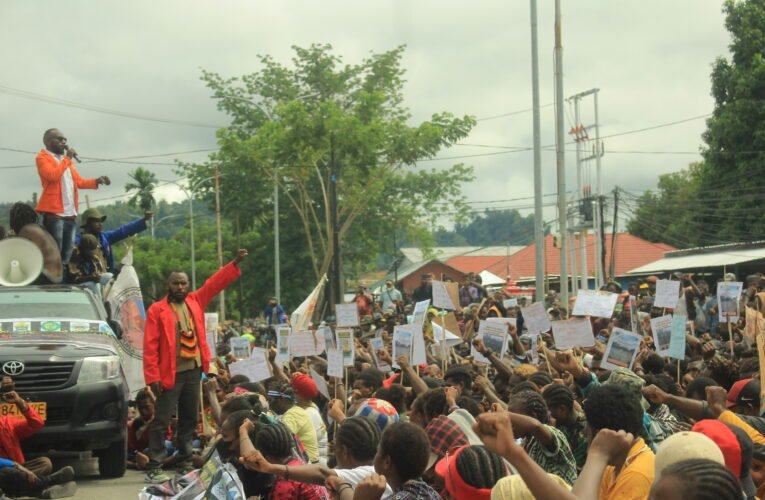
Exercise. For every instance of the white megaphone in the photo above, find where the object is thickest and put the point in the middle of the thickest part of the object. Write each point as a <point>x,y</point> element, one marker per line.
<point>21,262</point>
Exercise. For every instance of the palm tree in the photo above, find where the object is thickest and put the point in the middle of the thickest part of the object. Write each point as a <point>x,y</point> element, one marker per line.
<point>143,184</point>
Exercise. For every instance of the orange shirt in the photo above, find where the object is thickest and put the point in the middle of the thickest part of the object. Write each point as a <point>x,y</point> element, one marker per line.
<point>50,172</point>
<point>634,480</point>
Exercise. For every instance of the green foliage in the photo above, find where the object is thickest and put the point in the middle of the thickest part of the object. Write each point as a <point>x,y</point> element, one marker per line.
<point>291,125</point>
<point>718,200</point>
<point>143,183</point>
<point>492,227</point>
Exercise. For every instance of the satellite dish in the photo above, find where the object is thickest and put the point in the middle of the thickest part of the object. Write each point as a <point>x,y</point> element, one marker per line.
<point>21,262</point>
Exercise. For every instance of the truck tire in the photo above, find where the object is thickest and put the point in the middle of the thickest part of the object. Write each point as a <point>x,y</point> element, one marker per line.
<point>112,461</point>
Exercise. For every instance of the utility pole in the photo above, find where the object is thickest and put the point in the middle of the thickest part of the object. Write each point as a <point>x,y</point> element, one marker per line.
<point>600,236</point>
<point>220,242</point>
<point>539,232</point>
<point>560,157</point>
<point>336,287</point>
<point>277,271</point>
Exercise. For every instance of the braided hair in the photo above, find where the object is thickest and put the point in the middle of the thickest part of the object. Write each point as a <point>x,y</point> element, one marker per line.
<point>361,436</point>
<point>480,467</point>
<point>21,215</point>
<point>704,479</point>
<point>541,379</point>
<point>559,395</point>
<point>274,440</point>
<point>531,404</point>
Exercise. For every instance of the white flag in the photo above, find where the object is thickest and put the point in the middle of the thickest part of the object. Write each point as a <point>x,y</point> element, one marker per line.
<point>301,317</point>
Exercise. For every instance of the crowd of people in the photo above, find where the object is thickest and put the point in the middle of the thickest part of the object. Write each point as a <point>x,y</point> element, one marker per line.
<point>541,424</point>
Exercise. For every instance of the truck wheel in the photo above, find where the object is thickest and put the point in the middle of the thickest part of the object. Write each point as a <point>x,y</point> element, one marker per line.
<point>113,460</point>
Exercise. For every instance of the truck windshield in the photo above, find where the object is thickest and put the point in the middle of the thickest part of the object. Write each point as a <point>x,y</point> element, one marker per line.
<point>46,304</point>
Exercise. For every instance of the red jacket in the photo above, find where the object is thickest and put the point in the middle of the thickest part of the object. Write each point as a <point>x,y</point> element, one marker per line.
<point>14,429</point>
<point>50,172</point>
<point>159,337</point>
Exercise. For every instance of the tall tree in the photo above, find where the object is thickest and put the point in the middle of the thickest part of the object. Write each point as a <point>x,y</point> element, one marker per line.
<point>142,184</point>
<point>292,125</point>
<point>491,227</point>
<point>733,172</point>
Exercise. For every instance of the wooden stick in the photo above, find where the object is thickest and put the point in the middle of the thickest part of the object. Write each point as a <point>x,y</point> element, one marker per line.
<point>730,338</point>
<point>444,361</point>
<point>345,384</point>
<point>678,372</point>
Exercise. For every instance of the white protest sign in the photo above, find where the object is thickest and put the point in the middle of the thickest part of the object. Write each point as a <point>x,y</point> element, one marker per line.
<point>621,350</point>
<point>440,333</point>
<point>595,303</point>
<point>441,298</point>
<point>305,343</point>
<point>329,338</point>
<point>418,344</point>
<point>667,294</point>
<point>573,333</point>
<point>535,318</point>
<point>240,347</point>
<point>728,295</point>
<point>420,309</point>
<point>321,384</point>
<point>494,336</point>
<point>210,336</point>
<point>283,344</point>
<point>377,344</point>
<point>661,328</point>
<point>211,332</point>
<point>677,340</point>
<point>402,343</point>
<point>502,321</point>
<point>256,368</point>
<point>346,315</point>
<point>335,363</point>
<point>510,303</point>
<point>345,345</point>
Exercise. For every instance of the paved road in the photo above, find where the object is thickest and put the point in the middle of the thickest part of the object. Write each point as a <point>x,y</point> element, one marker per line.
<point>90,486</point>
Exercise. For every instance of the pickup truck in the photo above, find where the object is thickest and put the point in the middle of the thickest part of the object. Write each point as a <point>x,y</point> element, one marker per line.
<point>58,345</point>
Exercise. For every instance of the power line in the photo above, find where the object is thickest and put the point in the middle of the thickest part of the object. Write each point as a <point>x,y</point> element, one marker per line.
<point>97,109</point>
<point>123,160</point>
<point>511,113</point>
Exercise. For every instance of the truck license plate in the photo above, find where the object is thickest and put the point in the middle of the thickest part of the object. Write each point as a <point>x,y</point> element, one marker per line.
<point>7,409</point>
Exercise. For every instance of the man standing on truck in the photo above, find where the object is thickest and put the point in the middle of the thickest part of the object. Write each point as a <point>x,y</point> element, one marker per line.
<point>175,354</point>
<point>93,223</point>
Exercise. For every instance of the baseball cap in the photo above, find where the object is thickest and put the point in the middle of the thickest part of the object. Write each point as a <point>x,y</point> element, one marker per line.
<point>744,391</point>
<point>684,446</point>
<point>729,277</point>
<point>630,380</point>
<point>737,449</point>
<point>91,213</point>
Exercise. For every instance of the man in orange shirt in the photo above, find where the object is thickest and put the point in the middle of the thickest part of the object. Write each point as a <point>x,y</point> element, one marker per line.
<point>60,182</point>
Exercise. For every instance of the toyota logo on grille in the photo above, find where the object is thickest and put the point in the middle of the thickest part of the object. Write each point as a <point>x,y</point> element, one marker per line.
<point>13,368</point>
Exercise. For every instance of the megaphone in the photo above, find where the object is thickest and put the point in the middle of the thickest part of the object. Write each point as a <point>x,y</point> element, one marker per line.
<point>21,262</point>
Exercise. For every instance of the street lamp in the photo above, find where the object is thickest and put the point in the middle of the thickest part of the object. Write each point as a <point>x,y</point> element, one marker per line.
<point>189,192</point>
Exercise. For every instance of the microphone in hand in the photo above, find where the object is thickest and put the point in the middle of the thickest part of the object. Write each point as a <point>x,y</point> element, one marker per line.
<point>71,153</point>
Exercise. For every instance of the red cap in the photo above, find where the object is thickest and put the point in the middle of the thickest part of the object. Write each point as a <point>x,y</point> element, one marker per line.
<point>455,485</point>
<point>304,386</point>
<point>724,438</point>
<point>743,391</point>
<point>390,381</point>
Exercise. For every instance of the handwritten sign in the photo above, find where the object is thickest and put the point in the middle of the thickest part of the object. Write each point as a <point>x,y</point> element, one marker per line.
<point>510,303</point>
<point>305,343</point>
<point>335,363</point>
<point>662,333</point>
<point>677,339</point>
<point>256,368</point>
<point>346,315</point>
<point>329,338</point>
<point>441,297</point>
<point>345,345</point>
<point>535,318</point>
<point>420,309</point>
<point>321,384</point>
<point>595,303</point>
<point>667,294</point>
<point>573,333</point>
<point>621,350</point>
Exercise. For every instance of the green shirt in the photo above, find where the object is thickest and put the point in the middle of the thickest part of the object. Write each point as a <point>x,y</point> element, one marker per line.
<point>557,459</point>
<point>577,440</point>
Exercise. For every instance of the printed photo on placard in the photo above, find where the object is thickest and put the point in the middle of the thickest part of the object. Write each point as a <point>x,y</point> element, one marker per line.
<point>621,349</point>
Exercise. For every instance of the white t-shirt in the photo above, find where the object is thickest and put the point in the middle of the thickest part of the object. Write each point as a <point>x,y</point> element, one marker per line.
<point>67,189</point>
<point>354,477</point>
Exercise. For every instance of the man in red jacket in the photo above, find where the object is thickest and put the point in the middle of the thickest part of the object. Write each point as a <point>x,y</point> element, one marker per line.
<point>175,354</point>
<point>60,182</point>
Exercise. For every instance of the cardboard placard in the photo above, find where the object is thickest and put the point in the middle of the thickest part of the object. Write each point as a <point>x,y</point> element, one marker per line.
<point>256,368</point>
<point>728,295</point>
<point>345,345</point>
<point>494,336</point>
<point>535,318</point>
<point>346,315</point>
<point>283,344</point>
<point>321,384</point>
<point>573,333</point>
<point>621,350</point>
<point>403,340</point>
<point>661,328</point>
<point>240,347</point>
<point>667,294</point>
<point>305,343</point>
<point>595,303</point>
<point>335,363</point>
<point>677,339</point>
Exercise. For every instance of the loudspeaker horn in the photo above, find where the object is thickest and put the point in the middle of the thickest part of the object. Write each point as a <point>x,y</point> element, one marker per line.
<point>21,262</point>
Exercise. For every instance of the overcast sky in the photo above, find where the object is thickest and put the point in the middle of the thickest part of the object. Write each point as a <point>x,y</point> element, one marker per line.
<point>650,59</point>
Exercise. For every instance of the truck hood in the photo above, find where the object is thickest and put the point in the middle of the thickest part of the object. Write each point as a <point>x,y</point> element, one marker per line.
<point>56,338</point>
